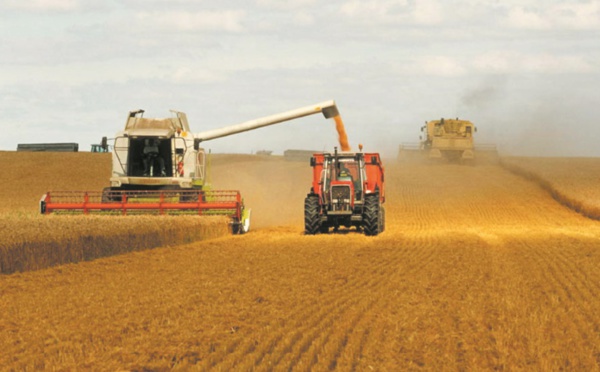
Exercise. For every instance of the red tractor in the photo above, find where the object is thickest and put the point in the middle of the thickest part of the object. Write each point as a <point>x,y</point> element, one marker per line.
<point>347,190</point>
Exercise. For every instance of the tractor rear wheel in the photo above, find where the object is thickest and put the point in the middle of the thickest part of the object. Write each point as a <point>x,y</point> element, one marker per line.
<point>372,215</point>
<point>382,220</point>
<point>312,223</point>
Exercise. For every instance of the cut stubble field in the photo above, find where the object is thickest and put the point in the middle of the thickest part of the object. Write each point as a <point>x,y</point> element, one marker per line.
<point>478,269</point>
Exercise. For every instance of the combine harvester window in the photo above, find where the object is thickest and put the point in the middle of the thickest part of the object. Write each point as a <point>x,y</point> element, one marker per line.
<point>136,155</point>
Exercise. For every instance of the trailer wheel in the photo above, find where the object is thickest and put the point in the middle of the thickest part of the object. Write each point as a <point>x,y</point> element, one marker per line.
<point>312,223</point>
<point>372,215</point>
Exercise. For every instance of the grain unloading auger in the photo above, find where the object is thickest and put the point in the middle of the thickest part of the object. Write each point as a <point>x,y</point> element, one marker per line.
<point>159,167</point>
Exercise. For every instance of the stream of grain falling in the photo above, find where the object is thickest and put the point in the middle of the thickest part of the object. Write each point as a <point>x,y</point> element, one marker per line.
<point>342,136</point>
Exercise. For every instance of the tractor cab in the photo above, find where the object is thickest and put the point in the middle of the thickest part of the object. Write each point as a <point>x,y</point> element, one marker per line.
<point>341,180</point>
<point>346,170</point>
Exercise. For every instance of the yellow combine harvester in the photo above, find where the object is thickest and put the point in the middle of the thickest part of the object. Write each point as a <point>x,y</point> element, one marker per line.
<point>451,139</point>
<point>447,139</point>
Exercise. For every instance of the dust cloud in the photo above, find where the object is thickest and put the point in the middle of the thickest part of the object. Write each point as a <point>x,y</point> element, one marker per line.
<point>533,117</point>
<point>273,188</point>
<point>486,94</point>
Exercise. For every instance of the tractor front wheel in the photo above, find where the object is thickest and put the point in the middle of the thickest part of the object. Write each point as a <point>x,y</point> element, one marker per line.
<point>312,224</point>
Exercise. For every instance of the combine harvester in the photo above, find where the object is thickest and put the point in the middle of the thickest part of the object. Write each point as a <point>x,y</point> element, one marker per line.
<point>347,190</point>
<point>158,167</point>
<point>447,139</point>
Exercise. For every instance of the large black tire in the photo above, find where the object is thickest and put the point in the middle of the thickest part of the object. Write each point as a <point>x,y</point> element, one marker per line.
<point>382,220</point>
<point>372,215</point>
<point>312,222</point>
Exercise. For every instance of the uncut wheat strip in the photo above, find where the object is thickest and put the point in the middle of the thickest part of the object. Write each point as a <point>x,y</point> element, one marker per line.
<point>74,235</point>
<point>565,198</point>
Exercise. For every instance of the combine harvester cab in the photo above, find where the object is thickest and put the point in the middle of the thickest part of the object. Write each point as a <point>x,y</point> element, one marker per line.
<point>158,167</point>
<point>347,190</point>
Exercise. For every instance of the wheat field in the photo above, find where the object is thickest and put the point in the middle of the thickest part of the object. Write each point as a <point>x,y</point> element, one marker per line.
<point>478,269</point>
<point>572,181</point>
<point>30,241</point>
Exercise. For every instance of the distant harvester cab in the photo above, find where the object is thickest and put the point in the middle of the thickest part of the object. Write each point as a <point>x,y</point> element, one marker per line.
<point>451,139</point>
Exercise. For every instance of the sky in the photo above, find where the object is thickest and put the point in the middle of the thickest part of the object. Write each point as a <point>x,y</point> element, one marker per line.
<point>526,72</point>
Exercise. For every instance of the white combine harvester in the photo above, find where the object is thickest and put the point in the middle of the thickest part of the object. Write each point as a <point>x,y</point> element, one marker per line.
<point>159,167</point>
